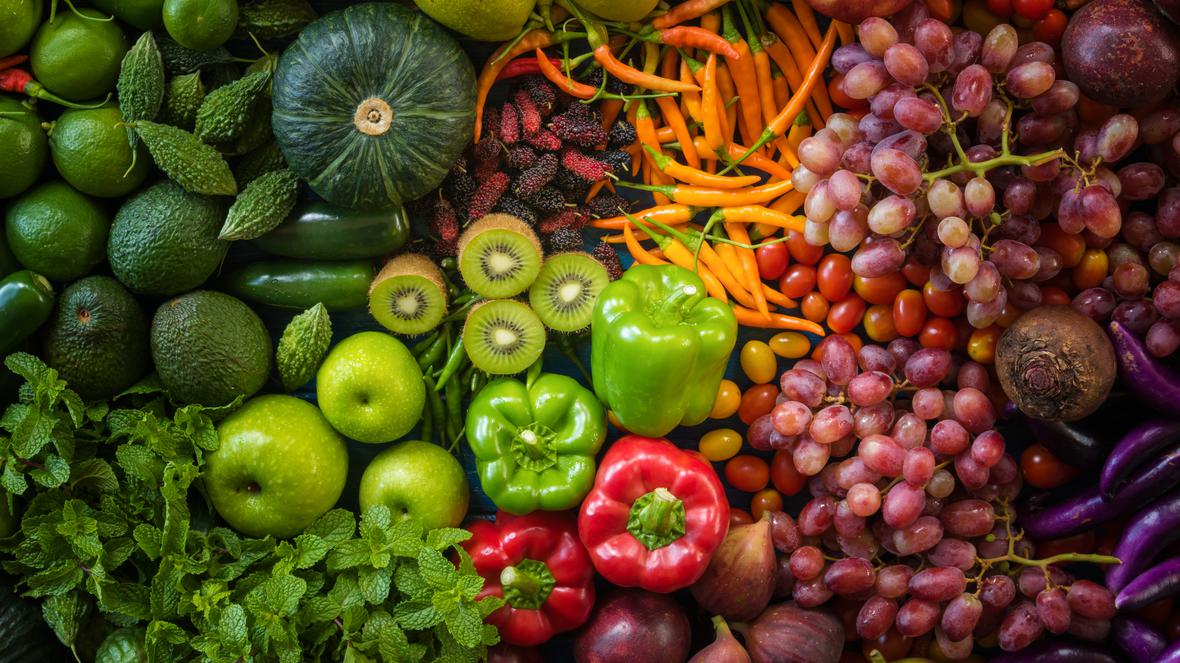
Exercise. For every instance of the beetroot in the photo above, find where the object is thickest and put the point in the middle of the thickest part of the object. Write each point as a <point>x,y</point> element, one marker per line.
<point>1122,52</point>
<point>855,11</point>
<point>634,626</point>
<point>1169,8</point>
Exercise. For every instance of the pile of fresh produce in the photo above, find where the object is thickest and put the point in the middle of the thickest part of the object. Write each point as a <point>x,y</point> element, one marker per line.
<point>722,331</point>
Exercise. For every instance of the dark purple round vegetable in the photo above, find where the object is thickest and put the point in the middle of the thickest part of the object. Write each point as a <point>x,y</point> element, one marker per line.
<point>1058,650</point>
<point>855,11</point>
<point>1055,363</point>
<point>1074,443</point>
<point>786,633</point>
<point>1144,537</point>
<point>1137,638</point>
<point>1138,446</point>
<point>1171,654</point>
<point>1169,8</point>
<point>634,626</point>
<point>1160,581</point>
<point>1121,52</point>
<point>1154,384</point>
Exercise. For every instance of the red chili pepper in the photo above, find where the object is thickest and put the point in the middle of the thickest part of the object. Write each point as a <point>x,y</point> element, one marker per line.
<point>690,37</point>
<point>11,61</point>
<point>524,66</point>
<point>21,82</point>
<point>655,515</point>
<point>538,565</point>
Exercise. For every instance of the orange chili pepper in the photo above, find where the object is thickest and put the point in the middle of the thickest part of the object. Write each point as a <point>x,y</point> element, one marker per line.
<point>711,105</point>
<point>847,35</point>
<point>735,151</point>
<point>751,318</point>
<point>690,175</point>
<point>712,21</point>
<point>686,11</point>
<point>610,109</point>
<point>562,81</point>
<point>781,55</point>
<point>788,28</point>
<point>699,38</point>
<point>745,80</point>
<point>679,255</point>
<point>806,17</point>
<point>672,116</point>
<point>759,214</point>
<point>790,203</point>
<point>712,197</point>
<point>672,215</point>
<point>782,93</point>
<point>595,188</point>
<point>727,96</point>
<point>738,233</point>
<point>539,38</point>
<point>675,250</point>
<point>629,74</point>
<point>691,100</point>
<point>637,251</point>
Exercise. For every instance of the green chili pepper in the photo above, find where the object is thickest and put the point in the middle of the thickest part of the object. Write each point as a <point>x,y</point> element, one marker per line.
<point>433,352</point>
<point>454,364</point>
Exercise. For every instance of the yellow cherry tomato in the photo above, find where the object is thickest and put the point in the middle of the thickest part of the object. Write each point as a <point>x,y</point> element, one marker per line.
<point>1091,270</point>
<point>758,362</point>
<point>878,323</point>
<point>1009,315</point>
<point>981,347</point>
<point>729,397</point>
<point>790,345</point>
<point>721,444</point>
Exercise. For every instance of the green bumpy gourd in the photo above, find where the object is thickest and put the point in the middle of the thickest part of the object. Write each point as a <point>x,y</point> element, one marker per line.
<point>141,82</point>
<point>183,60</point>
<point>273,19</point>
<point>262,206</point>
<point>182,156</point>
<point>259,162</point>
<point>302,347</point>
<point>225,112</point>
<point>185,95</point>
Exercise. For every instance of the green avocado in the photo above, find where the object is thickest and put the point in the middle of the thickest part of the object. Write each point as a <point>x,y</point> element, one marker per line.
<point>164,240</point>
<point>209,348</point>
<point>97,338</point>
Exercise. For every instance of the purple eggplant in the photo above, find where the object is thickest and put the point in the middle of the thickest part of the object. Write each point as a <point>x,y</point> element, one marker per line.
<point>1160,581</point>
<point>1058,650</point>
<point>1137,447</point>
<point>1153,383</point>
<point>1146,534</point>
<point>1137,638</point>
<point>1088,508</point>
<point>1171,654</point>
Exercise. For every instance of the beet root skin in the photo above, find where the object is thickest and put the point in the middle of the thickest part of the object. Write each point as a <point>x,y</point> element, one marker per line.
<point>1056,364</point>
<point>1123,53</point>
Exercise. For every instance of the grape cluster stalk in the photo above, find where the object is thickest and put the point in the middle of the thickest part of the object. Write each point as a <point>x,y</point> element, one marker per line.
<point>910,513</point>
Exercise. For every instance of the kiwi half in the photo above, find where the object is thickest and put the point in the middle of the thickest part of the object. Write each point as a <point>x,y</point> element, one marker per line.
<point>503,336</point>
<point>408,296</point>
<point>564,293</point>
<point>499,256</point>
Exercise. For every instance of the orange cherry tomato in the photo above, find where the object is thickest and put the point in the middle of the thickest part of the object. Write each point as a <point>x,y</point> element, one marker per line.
<point>720,445</point>
<point>1051,26</point>
<point>1091,269</point>
<point>787,480</point>
<point>855,341</point>
<point>834,276</point>
<point>1081,543</point>
<point>836,93</point>
<point>814,307</point>
<point>797,281</point>
<point>747,473</point>
<point>758,362</point>
<point>1043,470</point>
<point>757,401</point>
<point>1054,295</point>
<point>729,396</point>
<point>878,323</point>
<point>1070,247</point>
<point>765,500</point>
<point>916,273</point>
<point>945,303</point>
<point>739,517</point>
<point>1092,112</point>
<point>801,251</point>
<point>879,289</point>
<point>1009,315</point>
<point>909,312</point>
<point>789,344</point>
<point>982,345</point>
<point>938,333</point>
<point>845,314</point>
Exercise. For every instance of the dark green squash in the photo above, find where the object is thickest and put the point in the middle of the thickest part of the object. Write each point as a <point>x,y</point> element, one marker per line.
<point>373,104</point>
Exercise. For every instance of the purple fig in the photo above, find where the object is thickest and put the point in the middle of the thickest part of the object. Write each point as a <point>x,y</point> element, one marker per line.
<point>725,647</point>
<point>742,575</point>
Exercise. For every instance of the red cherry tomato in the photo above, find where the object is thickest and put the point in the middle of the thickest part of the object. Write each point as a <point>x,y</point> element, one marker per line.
<point>772,260</point>
<point>834,276</point>
<point>797,281</point>
<point>946,303</point>
<point>1043,470</point>
<point>801,251</point>
<point>938,333</point>
<point>747,473</point>
<point>1032,9</point>
<point>909,312</point>
<point>740,517</point>
<point>757,401</point>
<point>1001,8</point>
<point>916,273</point>
<point>786,479</point>
<point>879,289</point>
<point>845,314</point>
<point>1051,26</point>
<point>765,500</point>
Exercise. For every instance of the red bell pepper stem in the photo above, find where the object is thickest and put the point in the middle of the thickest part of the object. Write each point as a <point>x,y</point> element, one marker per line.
<point>692,37</point>
<point>21,82</point>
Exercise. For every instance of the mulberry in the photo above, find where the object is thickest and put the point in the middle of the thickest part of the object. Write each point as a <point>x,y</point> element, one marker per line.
<point>564,239</point>
<point>622,133</point>
<point>607,204</point>
<point>613,85</point>
<point>544,140</point>
<point>487,195</point>
<point>547,201</point>
<point>531,180</point>
<point>486,169</point>
<point>542,92</point>
<point>444,221</point>
<point>510,204</point>
<point>530,115</point>
<point>580,131</point>
<point>583,166</point>
<point>566,218</point>
<point>606,254</point>
<point>459,187</point>
<point>487,148</point>
<point>521,157</point>
<point>571,185</point>
<point>509,124</point>
<point>618,160</point>
<point>491,122</point>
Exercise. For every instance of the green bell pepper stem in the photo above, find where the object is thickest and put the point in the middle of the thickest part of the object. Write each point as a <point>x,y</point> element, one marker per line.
<point>527,585</point>
<point>657,519</point>
<point>454,363</point>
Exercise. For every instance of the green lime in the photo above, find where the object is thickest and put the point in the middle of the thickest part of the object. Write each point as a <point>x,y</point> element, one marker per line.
<point>56,231</point>
<point>22,142</point>
<point>142,14</point>
<point>18,21</point>
<point>92,152</point>
<point>200,24</point>
<point>78,58</point>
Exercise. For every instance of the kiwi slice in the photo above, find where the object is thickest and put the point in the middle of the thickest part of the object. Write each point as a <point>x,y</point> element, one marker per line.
<point>499,256</point>
<point>564,293</point>
<point>503,336</point>
<point>408,296</point>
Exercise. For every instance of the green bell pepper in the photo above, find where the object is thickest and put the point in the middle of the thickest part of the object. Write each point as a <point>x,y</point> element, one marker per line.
<point>535,443</point>
<point>659,347</point>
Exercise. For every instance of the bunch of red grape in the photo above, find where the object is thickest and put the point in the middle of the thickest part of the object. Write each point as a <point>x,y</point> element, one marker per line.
<point>915,524</point>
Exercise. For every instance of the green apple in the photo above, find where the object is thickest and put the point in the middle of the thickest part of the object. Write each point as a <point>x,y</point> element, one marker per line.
<point>279,467</point>
<point>370,388</point>
<point>617,10</point>
<point>417,480</point>
<point>485,20</point>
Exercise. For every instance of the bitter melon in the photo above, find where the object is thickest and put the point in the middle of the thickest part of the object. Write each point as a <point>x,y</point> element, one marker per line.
<point>186,92</point>
<point>273,19</point>
<point>181,60</point>
<point>141,83</point>
<point>258,162</point>
<point>187,161</point>
<point>225,112</point>
<point>262,206</point>
<point>302,346</point>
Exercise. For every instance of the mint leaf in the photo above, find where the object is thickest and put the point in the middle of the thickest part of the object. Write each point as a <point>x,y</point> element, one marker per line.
<point>446,537</point>
<point>466,625</point>
<point>148,538</point>
<point>436,570</point>
<point>64,614</point>
<point>374,583</point>
<point>127,598</point>
<point>94,475</point>
<point>334,527</point>
<point>416,615</point>
<point>232,628</point>
<point>26,365</point>
<point>146,387</point>
<point>55,472</point>
<point>310,549</point>
<point>13,481</point>
<point>56,580</point>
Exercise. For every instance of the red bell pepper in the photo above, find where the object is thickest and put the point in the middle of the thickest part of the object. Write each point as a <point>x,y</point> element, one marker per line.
<point>655,515</point>
<point>538,565</point>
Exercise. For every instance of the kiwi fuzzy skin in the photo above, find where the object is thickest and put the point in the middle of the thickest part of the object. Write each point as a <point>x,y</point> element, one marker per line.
<point>504,221</point>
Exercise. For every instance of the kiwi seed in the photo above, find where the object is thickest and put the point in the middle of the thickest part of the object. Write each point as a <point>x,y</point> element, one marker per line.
<point>408,296</point>
<point>503,336</point>
<point>499,256</point>
<point>565,291</point>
